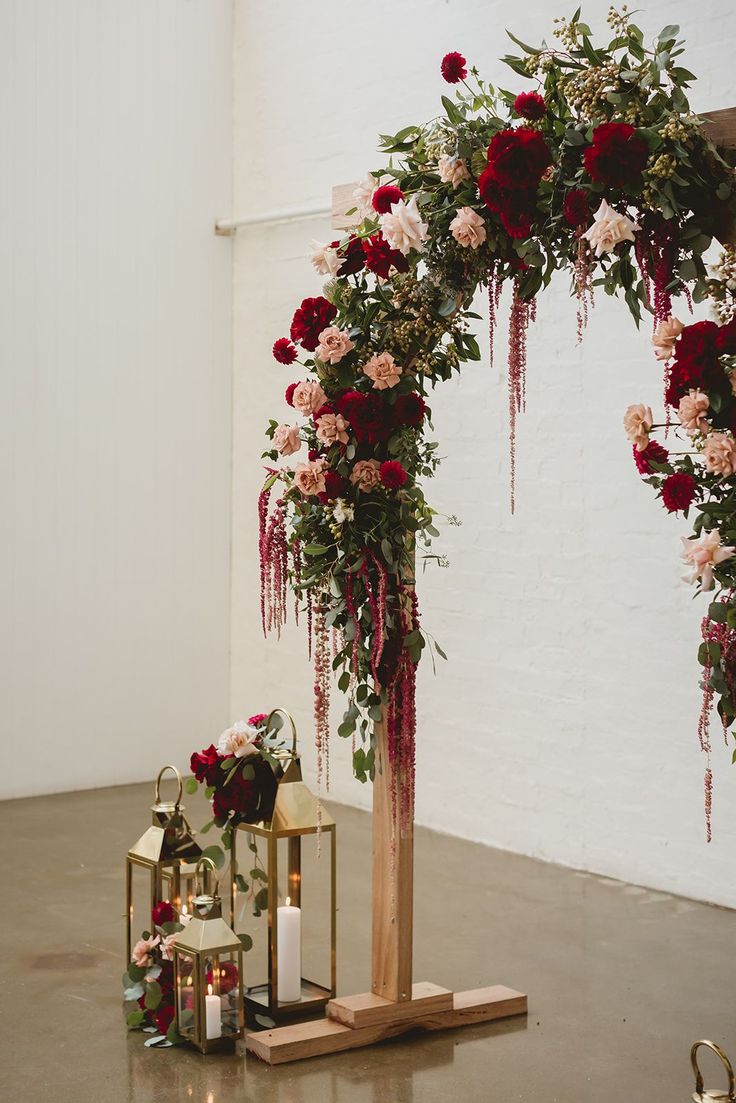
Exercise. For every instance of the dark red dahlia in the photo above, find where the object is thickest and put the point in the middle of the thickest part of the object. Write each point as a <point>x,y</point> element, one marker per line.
<point>354,257</point>
<point>576,208</point>
<point>678,491</point>
<point>453,67</point>
<point>393,475</point>
<point>385,196</point>
<point>289,393</point>
<point>163,913</point>
<point>515,207</point>
<point>284,351</point>
<point>380,257</point>
<point>409,409</point>
<point>725,339</point>
<point>617,156</point>
<point>206,766</point>
<point>519,157</point>
<point>336,485</point>
<point>310,319</point>
<point>368,415</point>
<point>653,451</point>
<point>530,105</point>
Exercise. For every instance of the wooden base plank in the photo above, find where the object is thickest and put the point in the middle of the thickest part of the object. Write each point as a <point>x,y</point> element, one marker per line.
<point>367,1009</point>
<point>323,1036</point>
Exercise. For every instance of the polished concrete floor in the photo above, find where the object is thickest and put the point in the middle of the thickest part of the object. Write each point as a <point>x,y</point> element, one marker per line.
<point>620,980</point>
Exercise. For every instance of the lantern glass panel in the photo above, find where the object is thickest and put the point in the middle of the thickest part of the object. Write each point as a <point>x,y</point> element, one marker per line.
<point>185,996</point>
<point>315,901</point>
<point>250,911</point>
<point>141,893</point>
<point>223,983</point>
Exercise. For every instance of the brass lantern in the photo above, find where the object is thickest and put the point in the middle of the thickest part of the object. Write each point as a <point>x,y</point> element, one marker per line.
<point>292,881</point>
<point>712,1095</point>
<point>208,975</point>
<point>161,865</point>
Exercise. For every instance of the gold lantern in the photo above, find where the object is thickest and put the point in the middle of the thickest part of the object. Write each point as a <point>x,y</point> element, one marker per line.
<point>712,1095</point>
<point>208,975</point>
<point>293,879</point>
<point>161,866</point>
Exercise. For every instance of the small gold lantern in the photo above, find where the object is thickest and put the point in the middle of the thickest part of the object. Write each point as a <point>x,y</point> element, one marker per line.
<point>294,883</point>
<point>208,975</point>
<point>161,865</point>
<point>712,1095</point>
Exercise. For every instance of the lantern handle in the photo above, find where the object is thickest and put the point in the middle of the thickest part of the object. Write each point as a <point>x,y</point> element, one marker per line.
<point>724,1061</point>
<point>161,773</point>
<point>206,860</point>
<point>290,718</point>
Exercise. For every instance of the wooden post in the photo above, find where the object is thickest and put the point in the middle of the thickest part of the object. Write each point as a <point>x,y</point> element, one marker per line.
<point>393,883</point>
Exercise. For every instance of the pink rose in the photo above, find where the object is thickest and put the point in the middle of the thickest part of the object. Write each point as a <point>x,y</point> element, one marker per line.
<point>703,555</point>
<point>383,371</point>
<point>692,411</point>
<point>719,452</point>
<point>325,259</point>
<point>308,397</point>
<point>402,226</point>
<point>452,170</point>
<point>366,475</point>
<point>142,951</point>
<point>286,439</point>
<point>333,345</point>
<point>665,336</point>
<point>331,428</point>
<point>167,946</point>
<point>468,228</point>
<point>608,229</point>
<point>638,421</point>
<point>310,478</point>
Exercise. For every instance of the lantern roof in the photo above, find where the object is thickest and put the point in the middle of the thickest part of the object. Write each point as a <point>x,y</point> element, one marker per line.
<point>207,935</point>
<point>296,809</point>
<point>168,839</point>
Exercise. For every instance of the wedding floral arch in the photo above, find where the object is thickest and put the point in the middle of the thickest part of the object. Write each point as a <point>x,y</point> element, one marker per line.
<point>601,171</point>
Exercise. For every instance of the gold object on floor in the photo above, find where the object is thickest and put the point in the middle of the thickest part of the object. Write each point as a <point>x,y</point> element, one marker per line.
<point>712,1095</point>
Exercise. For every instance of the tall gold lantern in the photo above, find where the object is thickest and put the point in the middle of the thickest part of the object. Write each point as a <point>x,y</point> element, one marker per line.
<point>161,865</point>
<point>297,892</point>
<point>208,975</point>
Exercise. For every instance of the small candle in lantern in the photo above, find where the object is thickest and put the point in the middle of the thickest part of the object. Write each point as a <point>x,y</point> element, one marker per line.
<point>212,1014</point>
<point>289,940</point>
<point>184,916</point>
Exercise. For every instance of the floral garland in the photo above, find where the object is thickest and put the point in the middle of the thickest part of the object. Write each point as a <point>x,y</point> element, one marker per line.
<point>601,171</point>
<point>149,980</point>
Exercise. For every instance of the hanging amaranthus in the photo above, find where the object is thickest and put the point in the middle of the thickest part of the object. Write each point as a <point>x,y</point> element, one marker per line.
<point>273,554</point>
<point>522,313</point>
<point>495,287</point>
<point>322,678</point>
<point>401,718</point>
<point>583,277</point>
<point>718,653</point>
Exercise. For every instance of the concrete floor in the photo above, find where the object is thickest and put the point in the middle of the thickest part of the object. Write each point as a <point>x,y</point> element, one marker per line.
<point>620,980</point>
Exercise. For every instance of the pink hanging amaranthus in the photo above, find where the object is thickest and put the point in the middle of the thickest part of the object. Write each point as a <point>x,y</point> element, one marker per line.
<point>583,275</point>
<point>724,637</point>
<point>495,287</point>
<point>322,678</point>
<point>401,718</point>
<point>655,248</point>
<point>273,554</point>
<point>522,313</point>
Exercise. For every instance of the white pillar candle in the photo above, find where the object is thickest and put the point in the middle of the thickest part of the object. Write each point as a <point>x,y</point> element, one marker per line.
<point>213,1021</point>
<point>289,940</point>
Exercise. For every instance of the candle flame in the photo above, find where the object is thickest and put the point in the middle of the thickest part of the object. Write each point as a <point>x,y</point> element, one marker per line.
<point>183,909</point>
<point>288,901</point>
<point>209,989</point>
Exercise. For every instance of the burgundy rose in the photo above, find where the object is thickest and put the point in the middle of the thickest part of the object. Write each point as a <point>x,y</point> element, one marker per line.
<point>336,486</point>
<point>393,475</point>
<point>453,68</point>
<point>696,362</point>
<point>515,207</point>
<point>530,105</point>
<point>354,257</point>
<point>576,208</point>
<point>385,196</point>
<point>380,257</point>
<point>228,977</point>
<point>284,351</point>
<point>653,451</point>
<point>164,1017</point>
<point>368,416</point>
<point>239,795</point>
<point>409,409</point>
<point>205,766</point>
<point>163,913</point>
<point>678,491</point>
<point>519,157</point>
<point>310,319</point>
<point>617,156</point>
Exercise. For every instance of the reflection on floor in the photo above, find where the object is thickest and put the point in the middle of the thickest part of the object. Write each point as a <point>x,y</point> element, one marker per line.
<point>620,979</point>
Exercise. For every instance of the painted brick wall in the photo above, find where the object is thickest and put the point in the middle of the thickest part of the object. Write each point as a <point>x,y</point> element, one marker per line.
<point>564,724</point>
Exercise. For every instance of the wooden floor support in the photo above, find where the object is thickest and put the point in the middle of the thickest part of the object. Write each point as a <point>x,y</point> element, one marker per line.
<point>324,1036</point>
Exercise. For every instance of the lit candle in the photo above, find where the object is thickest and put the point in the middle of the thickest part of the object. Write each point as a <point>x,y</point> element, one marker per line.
<point>212,1014</point>
<point>184,916</point>
<point>289,939</point>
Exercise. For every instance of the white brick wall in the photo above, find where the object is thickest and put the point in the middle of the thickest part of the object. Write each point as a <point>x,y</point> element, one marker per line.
<point>564,724</point>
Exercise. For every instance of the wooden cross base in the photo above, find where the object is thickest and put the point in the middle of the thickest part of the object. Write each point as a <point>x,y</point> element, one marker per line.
<point>363,1020</point>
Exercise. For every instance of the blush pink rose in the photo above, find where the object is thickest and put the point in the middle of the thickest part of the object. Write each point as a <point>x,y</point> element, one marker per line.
<point>366,475</point>
<point>333,345</point>
<point>310,478</point>
<point>332,428</point>
<point>452,170</point>
<point>665,336</point>
<point>719,453</point>
<point>286,439</point>
<point>703,555</point>
<point>308,397</point>
<point>383,370</point>
<point>692,411</point>
<point>638,422</point>
<point>142,951</point>
<point>468,228</point>
<point>608,229</point>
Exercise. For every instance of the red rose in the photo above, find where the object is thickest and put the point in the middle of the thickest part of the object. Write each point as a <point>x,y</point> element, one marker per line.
<point>335,485</point>
<point>653,451</point>
<point>228,977</point>
<point>696,362</point>
<point>617,156</point>
<point>393,475</point>
<point>576,208</point>
<point>725,339</point>
<point>164,1017</point>
<point>289,393</point>
<point>409,409</point>
<point>354,258</point>
<point>515,207</point>
<point>310,319</point>
<point>206,766</point>
<point>384,196</point>
<point>258,720</point>
<point>678,491</point>
<point>284,351</point>
<point>163,913</point>
<point>368,416</point>
<point>453,68</point>
<point>530,105</point>
<point>519,157</point>
<point>239,795</point>
<point>379,257</point>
